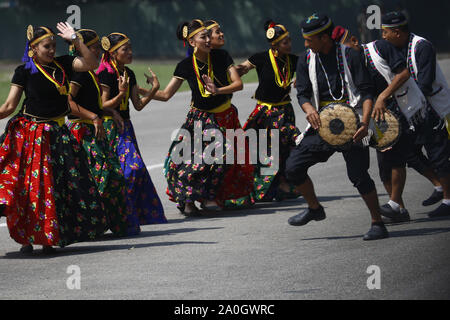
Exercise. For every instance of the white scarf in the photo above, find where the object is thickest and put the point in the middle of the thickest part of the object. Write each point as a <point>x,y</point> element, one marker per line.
<point>409,97</point>
<point>352,92</point>
<point>440,98</point>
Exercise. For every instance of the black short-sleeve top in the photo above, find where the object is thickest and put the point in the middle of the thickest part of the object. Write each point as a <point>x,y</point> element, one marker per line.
<point>268,90</point>
<point>89,92</point>
<point>42,98</point>
<point>221,61</point>
<point>111,81</point>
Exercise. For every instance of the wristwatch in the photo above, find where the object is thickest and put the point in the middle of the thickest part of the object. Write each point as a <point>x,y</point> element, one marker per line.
<point>74,36</point>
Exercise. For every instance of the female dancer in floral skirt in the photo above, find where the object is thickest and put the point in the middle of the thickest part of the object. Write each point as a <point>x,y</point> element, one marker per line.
<point>47,191</point>
<point>210,183</point>
<point>85,94</point>
<point>275,68</point>
<point>118,87</point>
<point>217,42</point>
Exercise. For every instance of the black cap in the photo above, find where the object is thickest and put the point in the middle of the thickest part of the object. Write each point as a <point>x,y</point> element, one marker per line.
<point>315,24</point>
<point>393,20</point>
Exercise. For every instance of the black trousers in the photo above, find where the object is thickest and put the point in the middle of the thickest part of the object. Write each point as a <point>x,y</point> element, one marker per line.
<point>313,150</point>
<point>436,144</point>
<point>404,152</point>
<point>431,135</point>
<point>415,159</point>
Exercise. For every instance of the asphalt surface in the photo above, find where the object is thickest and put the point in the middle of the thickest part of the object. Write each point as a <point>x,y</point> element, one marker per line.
<point>248,254</point>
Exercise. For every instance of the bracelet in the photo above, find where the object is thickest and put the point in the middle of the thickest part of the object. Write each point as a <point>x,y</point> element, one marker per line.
<point>96,117</point>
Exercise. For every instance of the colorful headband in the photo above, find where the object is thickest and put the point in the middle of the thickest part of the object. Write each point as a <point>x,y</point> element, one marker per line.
<point>106,44</point>
<point>30,33</point>
<point>317,31</point>
<point>215,24</point>
<point>80,36</point>
<point>394,25</point>
<point>270,34</point>
<point>91,42</point>
<point>28,54</point>
<point>187,35</point>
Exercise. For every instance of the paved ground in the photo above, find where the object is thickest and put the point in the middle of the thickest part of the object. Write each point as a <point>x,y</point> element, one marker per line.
<point>251,254</point>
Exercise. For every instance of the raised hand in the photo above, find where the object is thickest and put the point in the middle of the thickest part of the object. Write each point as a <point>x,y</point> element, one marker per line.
<point>152,79</point>
<point>124,82</point>
<point>66,30</point>
<point>209,83</point>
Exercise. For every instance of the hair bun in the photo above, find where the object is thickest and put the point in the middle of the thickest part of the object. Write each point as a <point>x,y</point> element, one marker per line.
<point>269,24</point>
<point>183,30</point>
<point>106,44</point>
<point>338,33</point>
<point>30,32</point>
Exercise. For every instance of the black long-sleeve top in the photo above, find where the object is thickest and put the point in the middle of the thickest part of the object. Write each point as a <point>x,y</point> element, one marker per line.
<point>359,72</point>
<point>426,65</point>
<point>395,60</point>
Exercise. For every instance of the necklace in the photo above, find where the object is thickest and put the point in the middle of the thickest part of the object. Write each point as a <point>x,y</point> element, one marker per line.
<point>124,102</point>
<point>340,76</point>
<point>202,67</point>
<point>201,85</point>
<point>60,86</point>
<point>282,80</point>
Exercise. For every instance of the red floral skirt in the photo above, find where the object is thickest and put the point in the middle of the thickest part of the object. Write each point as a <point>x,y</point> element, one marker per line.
<point>48,194</point>
<point>219,181</point>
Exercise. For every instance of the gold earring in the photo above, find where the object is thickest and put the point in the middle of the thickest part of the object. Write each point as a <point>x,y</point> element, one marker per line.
<point>275,53</point>
<point>30,53</point>
<point>195,49</point>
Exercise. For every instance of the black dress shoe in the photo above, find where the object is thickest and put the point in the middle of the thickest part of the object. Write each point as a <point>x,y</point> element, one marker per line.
<point>387,211</point>
<point>306,216</point>
<point>434,198</point>
<point>376,232</point>
<point>442,211</point>
<point>401,216</point>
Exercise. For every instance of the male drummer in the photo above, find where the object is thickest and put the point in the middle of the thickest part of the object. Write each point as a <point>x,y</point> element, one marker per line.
<point>421,61</point>
<point>391,162</point>
<point>323,85</point>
